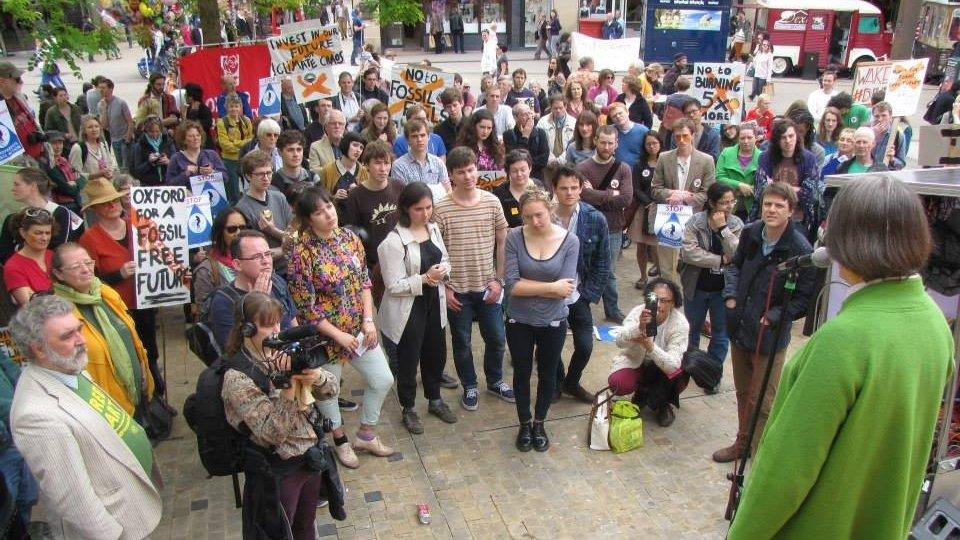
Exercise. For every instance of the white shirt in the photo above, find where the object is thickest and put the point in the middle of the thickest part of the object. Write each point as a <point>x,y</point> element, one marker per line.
<point>503,120</point>
<point>683,168</point>
<point>349,106</point>
<point>817,103</point>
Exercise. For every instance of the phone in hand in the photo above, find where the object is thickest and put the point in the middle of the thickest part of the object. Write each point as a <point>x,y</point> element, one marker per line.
<point>650,304</point>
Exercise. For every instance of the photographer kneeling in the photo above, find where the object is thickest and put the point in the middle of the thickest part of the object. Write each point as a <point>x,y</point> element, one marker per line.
<point>652,341</point>
<point>282,461</point>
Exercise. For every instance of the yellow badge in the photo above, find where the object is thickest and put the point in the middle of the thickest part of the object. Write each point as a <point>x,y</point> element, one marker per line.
<point>514,211</point>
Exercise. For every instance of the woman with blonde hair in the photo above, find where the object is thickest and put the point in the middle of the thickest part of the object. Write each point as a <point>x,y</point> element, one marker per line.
<point>234,131</point>
<point>92,153</point>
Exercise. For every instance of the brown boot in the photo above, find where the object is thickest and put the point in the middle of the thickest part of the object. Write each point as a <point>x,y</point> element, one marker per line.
<point>730,453</point>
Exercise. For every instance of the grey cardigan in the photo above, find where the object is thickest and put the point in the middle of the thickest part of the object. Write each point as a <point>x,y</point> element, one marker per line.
<point>695,250</point>
<point>400,267</point>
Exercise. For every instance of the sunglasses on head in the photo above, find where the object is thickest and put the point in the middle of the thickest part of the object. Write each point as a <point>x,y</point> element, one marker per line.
<point>36,213</point>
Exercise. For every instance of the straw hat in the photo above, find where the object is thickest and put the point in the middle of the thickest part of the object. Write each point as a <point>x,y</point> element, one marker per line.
<point>99,191</point>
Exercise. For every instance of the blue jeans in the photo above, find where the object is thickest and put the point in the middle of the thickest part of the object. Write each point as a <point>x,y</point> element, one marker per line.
<point>490,318</point>
<point>120,151</point>
<point>20,483</point>
<point>696,311</point>
<point>611,298</point>
<point>758,85</point>
<point>357,49</point>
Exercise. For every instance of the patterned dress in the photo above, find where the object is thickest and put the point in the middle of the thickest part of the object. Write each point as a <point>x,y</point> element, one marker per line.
<point>327,277</point>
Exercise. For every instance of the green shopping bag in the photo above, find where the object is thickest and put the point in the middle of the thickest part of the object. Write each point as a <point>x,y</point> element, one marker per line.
<point>626,427</point>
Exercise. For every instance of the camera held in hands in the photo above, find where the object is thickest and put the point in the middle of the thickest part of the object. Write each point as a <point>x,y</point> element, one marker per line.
<point>650,304</point>
<point>305,347</point>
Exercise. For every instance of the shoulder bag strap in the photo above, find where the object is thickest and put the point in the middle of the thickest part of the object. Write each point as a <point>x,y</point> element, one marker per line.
<point>610,174</point>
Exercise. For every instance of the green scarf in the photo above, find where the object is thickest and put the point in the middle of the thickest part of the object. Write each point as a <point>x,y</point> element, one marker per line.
<point>119,355</point>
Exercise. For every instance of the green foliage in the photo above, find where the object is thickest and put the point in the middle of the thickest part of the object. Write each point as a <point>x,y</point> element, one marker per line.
<point>265,6</point>
<point>58,39</point>
<point>393,11</point>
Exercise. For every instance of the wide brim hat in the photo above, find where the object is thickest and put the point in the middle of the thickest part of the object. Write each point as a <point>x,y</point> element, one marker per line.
<point>99,191</point>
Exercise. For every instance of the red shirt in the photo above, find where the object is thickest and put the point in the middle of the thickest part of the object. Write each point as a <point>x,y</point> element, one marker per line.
<point>765,121</point>
<point>25,124</point>
<point>109,257</point>
<point>20,271</point>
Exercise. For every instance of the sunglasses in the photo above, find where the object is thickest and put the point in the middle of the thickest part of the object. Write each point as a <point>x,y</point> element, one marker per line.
<point>34,213</point>
<point>232,229</point>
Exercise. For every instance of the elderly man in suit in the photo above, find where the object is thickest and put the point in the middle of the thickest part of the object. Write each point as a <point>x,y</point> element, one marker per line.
<point>93,462</point>
<point>682,177</point>
<point>327,149</point>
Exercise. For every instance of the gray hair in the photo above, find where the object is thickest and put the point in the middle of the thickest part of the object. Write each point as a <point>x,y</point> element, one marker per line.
<point>520,107</point>
<point>122,181</point>
<point>26,327</point>
<point>878,228</point>
<point>268,125</point>
<point>866,132</point>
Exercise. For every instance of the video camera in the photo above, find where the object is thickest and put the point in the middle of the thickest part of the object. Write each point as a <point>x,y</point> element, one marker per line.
<point>305,347</point>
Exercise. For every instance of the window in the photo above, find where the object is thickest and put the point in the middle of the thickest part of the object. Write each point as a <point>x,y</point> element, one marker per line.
<point>869,24</point>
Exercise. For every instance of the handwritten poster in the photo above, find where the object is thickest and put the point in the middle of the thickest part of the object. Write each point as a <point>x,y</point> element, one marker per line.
<point>869,77</point>
<point>308,57</point>
<point>487,180</point>
<point>719,89</point>
<point>415,84</point>
<point>160,220</point>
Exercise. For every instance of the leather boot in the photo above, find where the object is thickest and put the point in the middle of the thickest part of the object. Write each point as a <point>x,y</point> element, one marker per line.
<point>730,453</point>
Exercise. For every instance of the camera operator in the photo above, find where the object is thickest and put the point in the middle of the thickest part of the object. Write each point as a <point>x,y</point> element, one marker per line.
<point>649,363</point>
<point>283,463</point>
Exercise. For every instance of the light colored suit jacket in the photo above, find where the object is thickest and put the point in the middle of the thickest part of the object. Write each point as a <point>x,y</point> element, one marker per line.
<point>701,175</point>
<point>320,154</point>
<point>88,477</point>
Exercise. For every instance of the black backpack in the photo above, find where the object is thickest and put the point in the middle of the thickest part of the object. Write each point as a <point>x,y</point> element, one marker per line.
<point>220,446</point>
<point>199,335</point>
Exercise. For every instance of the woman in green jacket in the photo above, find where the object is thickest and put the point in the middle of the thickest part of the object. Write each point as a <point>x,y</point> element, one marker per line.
<point>736,166</point>
<point>845,448</point>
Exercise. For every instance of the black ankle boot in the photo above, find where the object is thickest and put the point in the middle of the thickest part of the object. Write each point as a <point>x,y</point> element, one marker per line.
<point>524,437</point>
<point>540,440</point>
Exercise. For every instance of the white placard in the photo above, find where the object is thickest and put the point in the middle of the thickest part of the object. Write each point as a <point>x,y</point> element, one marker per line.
<point>615,54</point>
<point>421,85</point>
<point>308,58</point>
<point>719,89</point>
<point>160,245</point>
<point>669,224</point>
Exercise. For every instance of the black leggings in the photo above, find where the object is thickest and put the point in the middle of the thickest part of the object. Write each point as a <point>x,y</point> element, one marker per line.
<point>421,344</point>
<point>545,343</point>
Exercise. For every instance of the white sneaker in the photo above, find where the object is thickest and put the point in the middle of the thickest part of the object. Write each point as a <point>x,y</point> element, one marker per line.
<point>346,456</point>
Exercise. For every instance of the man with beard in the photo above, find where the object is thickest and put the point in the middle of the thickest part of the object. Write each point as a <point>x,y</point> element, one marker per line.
<point>93,462</point>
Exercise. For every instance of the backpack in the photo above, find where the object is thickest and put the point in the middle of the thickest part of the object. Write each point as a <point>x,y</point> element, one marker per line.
<point>219,445</point>
<point>200,337</point>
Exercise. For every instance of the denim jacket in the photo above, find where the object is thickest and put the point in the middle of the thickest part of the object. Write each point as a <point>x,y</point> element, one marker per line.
<point>593,267</point>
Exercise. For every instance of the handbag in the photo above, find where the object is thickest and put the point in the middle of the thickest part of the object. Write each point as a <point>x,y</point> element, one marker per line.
<point>155,417</point>
<point>626,427</point>
<point>598,432</point>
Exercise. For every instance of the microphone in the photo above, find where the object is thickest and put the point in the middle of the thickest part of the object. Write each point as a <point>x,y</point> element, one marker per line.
<point>818,258</point>
<point>289,335</point>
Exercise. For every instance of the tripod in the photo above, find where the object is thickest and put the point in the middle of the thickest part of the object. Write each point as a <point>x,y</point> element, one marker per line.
<point>736,479</point>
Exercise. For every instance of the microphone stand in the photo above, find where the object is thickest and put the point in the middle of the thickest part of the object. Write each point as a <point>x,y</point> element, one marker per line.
<point>736,479</point>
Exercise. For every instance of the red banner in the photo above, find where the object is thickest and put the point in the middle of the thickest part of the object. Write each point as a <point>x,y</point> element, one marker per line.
<point>248,64</point>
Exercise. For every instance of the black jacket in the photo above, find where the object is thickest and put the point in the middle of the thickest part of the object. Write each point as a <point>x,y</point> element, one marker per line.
<point>456,24</point>
<point>377,93</point>
<point>448,131</point>
<point>536,144</point>
<point>747,279</point>
<point>286,122</point>
<point>150,174</point>
<point>639,111</point>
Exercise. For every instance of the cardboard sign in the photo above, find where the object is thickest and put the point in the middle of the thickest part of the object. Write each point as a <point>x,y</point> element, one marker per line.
<point>269,97</point>
<point>160,245</point>
<point>8,347</point>
<point>669,224</point>
<point>199,222</point>
<point>487,180</point>
<point>939,146</point>
<point>615,54</point>
<point>10,146</point>
<point>421,85</point>
<point>308,58</point>
<point>719,89</point>
<point>902,80</point>
<point>211,187</point>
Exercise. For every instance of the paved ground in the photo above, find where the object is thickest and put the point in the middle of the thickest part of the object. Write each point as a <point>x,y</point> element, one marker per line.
<point>476,483</point>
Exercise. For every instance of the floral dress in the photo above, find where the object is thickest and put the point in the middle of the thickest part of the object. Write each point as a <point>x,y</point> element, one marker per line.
<point>326,277</point>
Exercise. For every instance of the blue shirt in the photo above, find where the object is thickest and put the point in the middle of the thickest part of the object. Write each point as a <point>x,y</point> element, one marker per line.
<point>435,146</point>
<point>222,309</point>
<point>630,144</point>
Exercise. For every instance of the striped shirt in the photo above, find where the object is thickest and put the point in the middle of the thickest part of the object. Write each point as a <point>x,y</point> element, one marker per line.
<point>469,233</point>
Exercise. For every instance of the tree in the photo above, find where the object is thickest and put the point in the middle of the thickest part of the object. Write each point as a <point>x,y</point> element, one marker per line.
<point>209,13</point>
<point>395,11</point>
<point>58,38</point>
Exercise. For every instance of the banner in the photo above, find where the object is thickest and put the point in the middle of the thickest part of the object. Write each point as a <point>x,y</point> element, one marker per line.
<point>199,222</point>
<point>487,180</point>
<point>10,146</point>
<point>269,97</point>
<point>299,26</point>
<point>248,64</point>
<point>211,187</point>
<point>416,84</point>
<point>719,89</point>
<point>669,224</point>
<point>902,80</point>
<point>615,54</point>
<point>308,57</point>
<point>160,245</point>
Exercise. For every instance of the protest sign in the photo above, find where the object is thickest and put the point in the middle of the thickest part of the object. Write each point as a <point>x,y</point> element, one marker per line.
<point>8,347</point>
<point>669,224</point>
<point>307,57</point>
<point>416,84</point>
<point>159,219</point>
<point>10,146</point>
<point>199,221</point>
<point>615,54</point>
<point>269,97</point>
<point>939,146</point>
<point>247,63</point>
<point>211,186</point>
<point>719,89</point>
<point>487,180</point>
<point>901,80</point>
<point>300,26</point>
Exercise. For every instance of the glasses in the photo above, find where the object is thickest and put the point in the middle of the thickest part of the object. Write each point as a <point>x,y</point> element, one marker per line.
<point>262,256</point>
<point>232,229</point>
<point>76,267</point>
<point>262,174</point>
<point>683,136</point>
